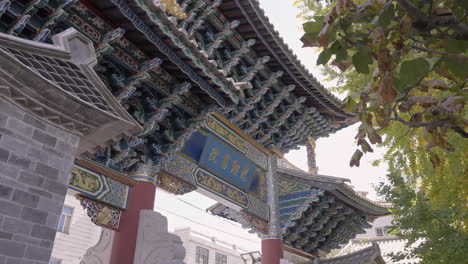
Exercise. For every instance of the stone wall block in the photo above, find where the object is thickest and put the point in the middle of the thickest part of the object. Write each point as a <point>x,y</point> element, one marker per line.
<point>25,198</point>
<point>43,232</point>
<point>5,235</point>
<point>38,253</point>
<point>11,110</point>
<point>5,192</point>
<point>19,161</point>
<point>44,138</point>
<point>9,208</point>
<point>66,147</point>
<point>11,248</point>
<point>52,221</point>
<point>55,187</point>
<point>27,239</point>
<point>26,140</point>
<point>19,127</point>
<point>31,179</point>
<point>16,226</point>
<point>14,145</point>
<point>73,140</point>
<point>46,244</point>
<point>37,155</point>
<point>52,206</point>
<point>34,215</point>
<point>41,192</point>
<point>59,164</point>
<point>4,154</point>
<point>3,119</point>
<point>52,151</point>
<point>46,171</point>
<point>33,121</point>
<point>8,170</point>
<point>19,261</point>
<point>11,182</point>
<point>58,133</point>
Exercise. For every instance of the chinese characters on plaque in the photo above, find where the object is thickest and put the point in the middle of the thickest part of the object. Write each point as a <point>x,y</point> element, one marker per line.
<point>225,161</point>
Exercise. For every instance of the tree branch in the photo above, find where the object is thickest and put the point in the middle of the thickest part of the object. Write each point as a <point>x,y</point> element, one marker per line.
<point>452,22</point>
<point>427,50</point>
<point>425,24</point>
<point>439,123</point>
<point>417,16</point>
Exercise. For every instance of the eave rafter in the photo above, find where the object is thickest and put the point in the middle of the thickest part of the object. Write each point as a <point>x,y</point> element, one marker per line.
<point>242,83</point>
<point>286,57</point>
<point>242,117</point>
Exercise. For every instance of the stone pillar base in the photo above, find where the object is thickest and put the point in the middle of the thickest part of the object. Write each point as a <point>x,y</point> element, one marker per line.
<point>155,245</point>
<point>100,253</point>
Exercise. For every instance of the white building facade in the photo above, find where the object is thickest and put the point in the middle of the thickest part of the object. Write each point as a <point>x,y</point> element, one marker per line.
<point>76,233</point>
<point>380,228</point>
<point>205,249</point>
<point>203,246</point>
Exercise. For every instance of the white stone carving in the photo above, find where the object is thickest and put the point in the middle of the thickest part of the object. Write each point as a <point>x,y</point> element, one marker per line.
<point>101,252</point>
<point>155,245</point>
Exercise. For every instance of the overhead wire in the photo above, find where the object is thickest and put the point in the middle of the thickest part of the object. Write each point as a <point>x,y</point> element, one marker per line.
<point>202,224</point>
<point>203,210</point>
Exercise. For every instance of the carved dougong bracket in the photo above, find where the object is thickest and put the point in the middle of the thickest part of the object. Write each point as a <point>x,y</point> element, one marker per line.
<point>101,214</point>
<point>173,185</point>
<point>259,225</point>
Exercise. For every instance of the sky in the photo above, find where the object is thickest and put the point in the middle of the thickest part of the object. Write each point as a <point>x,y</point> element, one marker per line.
<point>333,152</point>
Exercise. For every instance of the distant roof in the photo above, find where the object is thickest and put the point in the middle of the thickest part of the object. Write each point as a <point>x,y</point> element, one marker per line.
<point>367,255</point>
<point>335,185</point>
<point>388,245</point>
<point>285,166</point>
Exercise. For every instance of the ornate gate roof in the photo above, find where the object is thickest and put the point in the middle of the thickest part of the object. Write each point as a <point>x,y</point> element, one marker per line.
<point>224,54</point>
<point>317,212</point>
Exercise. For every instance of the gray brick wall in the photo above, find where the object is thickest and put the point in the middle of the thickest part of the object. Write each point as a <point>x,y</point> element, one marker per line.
<point>35,162</point>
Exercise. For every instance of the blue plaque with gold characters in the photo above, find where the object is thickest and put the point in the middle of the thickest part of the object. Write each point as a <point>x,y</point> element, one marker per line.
<point>226,162</point>
<point>222,161</point>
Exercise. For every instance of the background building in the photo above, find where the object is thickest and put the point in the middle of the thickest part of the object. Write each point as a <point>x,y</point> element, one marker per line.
<point>380,234</point>
<point>380,228</point>
<point>76,233</point>
<point>206,249</point>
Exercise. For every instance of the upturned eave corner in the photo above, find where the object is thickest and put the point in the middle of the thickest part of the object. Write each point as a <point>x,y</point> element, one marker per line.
<point>97,123</point>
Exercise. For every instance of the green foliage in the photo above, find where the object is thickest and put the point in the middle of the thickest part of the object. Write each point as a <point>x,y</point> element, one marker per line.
<point>438,232</point>
<point>404,66</point>
<point>412,71</point>
<point>362,59</point>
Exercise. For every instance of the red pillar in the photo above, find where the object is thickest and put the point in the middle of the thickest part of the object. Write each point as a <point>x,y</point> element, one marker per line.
<point>272,249</point>
<point>123,247</point>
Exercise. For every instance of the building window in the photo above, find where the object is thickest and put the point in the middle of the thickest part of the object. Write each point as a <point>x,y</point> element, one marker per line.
<point>381,231</point>
<point>55,261</point>
<point>221,258</point>
<point>202,255</point>
<point>65,220</point>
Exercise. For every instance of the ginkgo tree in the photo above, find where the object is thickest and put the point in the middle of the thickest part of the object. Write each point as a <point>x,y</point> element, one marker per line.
<point>404,66</point>
<point>414,53</point>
